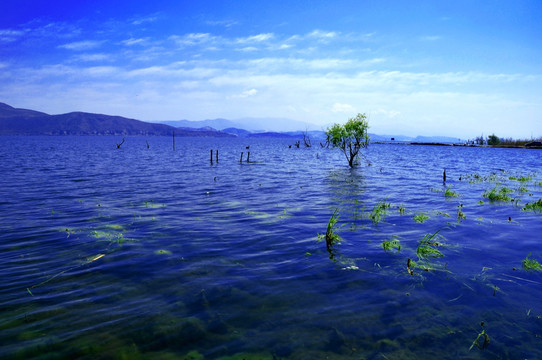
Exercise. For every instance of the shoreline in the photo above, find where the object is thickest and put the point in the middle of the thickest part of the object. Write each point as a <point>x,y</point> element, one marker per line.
<point>459,145</point>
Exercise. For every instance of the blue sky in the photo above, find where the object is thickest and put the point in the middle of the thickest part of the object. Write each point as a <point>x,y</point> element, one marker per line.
<point>458,68</point>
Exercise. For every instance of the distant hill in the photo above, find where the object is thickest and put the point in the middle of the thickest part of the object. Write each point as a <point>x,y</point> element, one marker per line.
<point>270,134</point>
<point>237,132</point>
<point>15,121</point>
<point>28,122</point>
<point>255,125</point>
<point>219,124</point>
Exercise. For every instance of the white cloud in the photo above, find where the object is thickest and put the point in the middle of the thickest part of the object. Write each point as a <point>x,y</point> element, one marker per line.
<point>133,41</point>
<point>81,45</point>
<point>248,93</point>
<point>225,23</point>
<point>255,38</point>
<point>342,108</point>
<point>386,113</point>
<point>192,39</point>
<point>323,35</point>
<point>9,35</point>
<point>248,49</point>
<point>93,57</point>
<point>430,38</point>
<point>147,19</point>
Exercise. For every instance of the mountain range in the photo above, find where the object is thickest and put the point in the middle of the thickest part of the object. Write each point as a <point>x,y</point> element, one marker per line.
<point>29,122</point>
<point>14,121</point>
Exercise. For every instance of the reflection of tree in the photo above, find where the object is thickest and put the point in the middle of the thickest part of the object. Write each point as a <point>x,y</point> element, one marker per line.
<point>346,185</point>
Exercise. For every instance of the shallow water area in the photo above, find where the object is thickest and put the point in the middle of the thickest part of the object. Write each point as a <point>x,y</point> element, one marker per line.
<point>158,253</point>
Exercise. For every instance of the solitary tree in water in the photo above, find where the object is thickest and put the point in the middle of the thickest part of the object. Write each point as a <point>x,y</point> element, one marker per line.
<point>350,137</point>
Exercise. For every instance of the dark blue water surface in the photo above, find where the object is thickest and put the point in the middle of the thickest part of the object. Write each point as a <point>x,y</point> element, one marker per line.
<point>156,253</point>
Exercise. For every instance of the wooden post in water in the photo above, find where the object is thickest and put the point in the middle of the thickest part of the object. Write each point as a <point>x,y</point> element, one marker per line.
<point>248,156</point>
<point>211,156</point>
<point>119,145</point>
<point>173,132</point>
<point>217,155</point>
<point>241,159</point>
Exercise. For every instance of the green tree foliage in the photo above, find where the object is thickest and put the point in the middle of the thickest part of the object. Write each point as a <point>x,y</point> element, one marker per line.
<point>350,137</point>
<point>493,140</point>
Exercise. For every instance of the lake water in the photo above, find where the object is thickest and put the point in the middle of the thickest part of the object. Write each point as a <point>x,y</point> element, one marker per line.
<point>156,253</point>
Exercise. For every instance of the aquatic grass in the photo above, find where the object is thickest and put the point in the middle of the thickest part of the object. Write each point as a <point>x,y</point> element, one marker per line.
<point>427,252</point>
<point>357,211</point>
<point>476,178</point>
<point>531,264</point>
<point>331,235</point>
<point>427,247</point>
<point>421,217</point>
<point>162,252</point>
<point>88,260</point>
<point>535,206</point>
<point>379,211</point>
<point>450,193</point>
<point>460,214</point>
<point>499,194</point>
<point>390,245</point>
<point>482,335</point>
<point>520,178</point>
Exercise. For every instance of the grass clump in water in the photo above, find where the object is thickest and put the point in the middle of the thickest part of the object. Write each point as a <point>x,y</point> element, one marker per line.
<point>521,178</point>
<point>530,264</point>
<point>460,214</point>
<point>499,194</point>
<point>450,193</point>
<point>379,211</point>
<point>534,206</point>
<point>331,235</point>
<point>390,245</point>
<point>421,217</point>
<point>427,247</point>
<point>427,252</point>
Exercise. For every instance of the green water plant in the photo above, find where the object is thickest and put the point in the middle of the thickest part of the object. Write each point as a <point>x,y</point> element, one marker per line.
<point>499,194</point>
<point>331,235</point>
<point>427,251</point>
<point>535,206</point>
<point>427,247</point>
<point>449,192</point>
<point>391,245</point>
<point>460,214</point>
<point>531,264</point>
<point>521,178</point>
<point>482,335</point>
<point>379,211</point>
<point>421,217</point>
